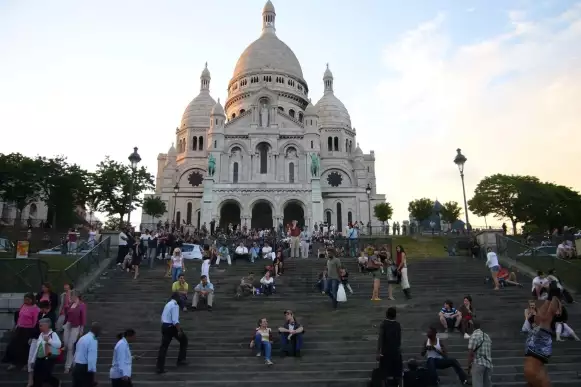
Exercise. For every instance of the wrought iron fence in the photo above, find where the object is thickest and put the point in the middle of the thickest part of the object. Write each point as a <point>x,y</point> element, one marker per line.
<point>543,258</point>
<point>22,275</point>
<point>82,266</point>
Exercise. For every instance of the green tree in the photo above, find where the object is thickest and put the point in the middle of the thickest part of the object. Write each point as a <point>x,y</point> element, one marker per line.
<point>450,212</point>
<point>421,209</point>
<point>64,187</point>
<point>111,183</point>
<point>154,206</point>
<point>498,195</point>
<point>547,205</point>
<point>112,223</point>
<point>20,181</point>
<point>383,212</point>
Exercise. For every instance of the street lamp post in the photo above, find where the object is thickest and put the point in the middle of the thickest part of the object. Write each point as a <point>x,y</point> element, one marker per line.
<point>134,159</point>
<point>460,160</point>
<point>176,189</point>
<point>368,192</point>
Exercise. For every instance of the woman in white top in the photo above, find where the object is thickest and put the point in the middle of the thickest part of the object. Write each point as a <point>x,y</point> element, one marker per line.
<point>493,266</point>
<point>267,284</point>
<point>540,285</point>
<point>177,264</point>
<point>92,238</point>
<point>267,252</point>
<point>206,267</point>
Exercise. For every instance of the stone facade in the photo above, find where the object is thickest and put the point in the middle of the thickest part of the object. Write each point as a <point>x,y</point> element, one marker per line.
<point>262,143</point>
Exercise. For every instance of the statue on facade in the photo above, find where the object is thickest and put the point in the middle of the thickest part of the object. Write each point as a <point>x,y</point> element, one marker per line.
<point>264,116</point>
<point>315,165</point>
<point>211,165</point>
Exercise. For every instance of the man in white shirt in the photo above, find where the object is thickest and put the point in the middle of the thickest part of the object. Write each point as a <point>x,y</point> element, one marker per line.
<point>241,252</point>
<point>45,349</point>
<point>267,252</point>
<point>86,353</point>
<point>493,266</point>
<point>123,248</point>
<point>305,242</point>
<point>170,329</point>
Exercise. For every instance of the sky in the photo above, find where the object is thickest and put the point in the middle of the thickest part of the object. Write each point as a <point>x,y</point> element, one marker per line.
<point>500,79</point>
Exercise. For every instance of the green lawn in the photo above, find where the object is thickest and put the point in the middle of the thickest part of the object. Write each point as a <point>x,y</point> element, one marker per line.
<point>422,246</point>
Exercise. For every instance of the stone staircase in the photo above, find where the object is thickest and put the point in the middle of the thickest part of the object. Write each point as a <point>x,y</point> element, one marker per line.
<point>339,347</point>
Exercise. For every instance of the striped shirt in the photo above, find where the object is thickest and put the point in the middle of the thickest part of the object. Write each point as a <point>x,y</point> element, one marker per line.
<point>448,313</point>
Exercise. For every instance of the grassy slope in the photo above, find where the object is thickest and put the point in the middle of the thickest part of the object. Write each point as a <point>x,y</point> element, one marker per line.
<point>422,246</point>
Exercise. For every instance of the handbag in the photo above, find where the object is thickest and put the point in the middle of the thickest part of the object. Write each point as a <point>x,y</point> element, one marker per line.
<point>341,295</point>
<point>372,263</point>
<point>392,277</point>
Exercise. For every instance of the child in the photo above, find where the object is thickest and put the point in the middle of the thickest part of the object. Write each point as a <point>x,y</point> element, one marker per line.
<point>321,283</point>
<point>345,279</point>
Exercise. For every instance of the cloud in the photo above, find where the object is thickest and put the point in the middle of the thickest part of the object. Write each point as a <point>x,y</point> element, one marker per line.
<point>511,102</point>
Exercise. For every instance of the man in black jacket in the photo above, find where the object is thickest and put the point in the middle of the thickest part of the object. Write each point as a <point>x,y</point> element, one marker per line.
<point>389,350</point>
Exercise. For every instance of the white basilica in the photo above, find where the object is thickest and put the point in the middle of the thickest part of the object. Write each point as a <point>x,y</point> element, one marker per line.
<point>268,155</point>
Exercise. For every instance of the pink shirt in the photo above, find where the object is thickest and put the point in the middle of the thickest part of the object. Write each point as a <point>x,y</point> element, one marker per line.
<point>28,316</point>
<point>77,316</point>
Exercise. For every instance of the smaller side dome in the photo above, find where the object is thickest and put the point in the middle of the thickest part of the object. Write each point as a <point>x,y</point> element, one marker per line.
<point>218,110</point>
<point>311,111</point>
<point>358,151</point>
<point>172,150</point>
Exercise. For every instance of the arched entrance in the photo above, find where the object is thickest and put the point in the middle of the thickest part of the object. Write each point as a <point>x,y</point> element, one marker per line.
<point>261,215</point>
<point>229,213</point>
<point>293,210</point>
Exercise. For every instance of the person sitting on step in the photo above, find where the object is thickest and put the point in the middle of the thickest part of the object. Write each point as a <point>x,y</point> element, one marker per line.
<point>262,341</point>
<point>246,285</point>
<point>562,329</point>
<point>345,279</point>
<point>279,263</point>
<point>507,277</point>
<point>438,359</point>
<point>203,290</point>
<point>530,314</point>
<point>181,287</point>
<point>254,252</point>
<point>291,335</point>
<point>450,318</point>
<point>241,252</point>
<point>267,252</point>
<point>540,286</point>
<point>267,284</point>
<point>552,277</point>
<point>223,253</point>
<point>468,316</point>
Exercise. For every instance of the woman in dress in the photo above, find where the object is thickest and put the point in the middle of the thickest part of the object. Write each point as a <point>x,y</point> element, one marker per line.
<point>539,343</point>
<point>402,269</point>
<point>76,318</point>
<point>26,319</point>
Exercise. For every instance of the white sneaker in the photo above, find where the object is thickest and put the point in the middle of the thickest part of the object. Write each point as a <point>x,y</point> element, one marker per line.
<point>258,354</point>
<point>466,336</point>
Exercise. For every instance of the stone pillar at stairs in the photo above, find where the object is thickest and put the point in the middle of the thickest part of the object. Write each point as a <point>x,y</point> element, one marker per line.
<point>317,198</point>
<point>208,204</point>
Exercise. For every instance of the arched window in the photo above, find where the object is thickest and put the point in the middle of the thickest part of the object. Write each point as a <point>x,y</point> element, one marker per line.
<point>350,146</point>
<point>300,117</point>
<point>233,116</point>
<point>199,219</point>
<point>263,151</point>
<point>189,214</point>
<point>350,217</point>
<point>215,144</point>
<point>178,218</point>
<point>32,210</point>
<point>291,172</point>
<point>347,145</point>
<point>291,113</point>
<point>312,145</point>
<point>235,173</point>
<point>330,144</point>
<point>201,143</point>
<point>336,141</point>
<point>242,111</point>
<point>281,108</point>
<point>195,143</point>
<point>328,218</point>
<point>339,216</point>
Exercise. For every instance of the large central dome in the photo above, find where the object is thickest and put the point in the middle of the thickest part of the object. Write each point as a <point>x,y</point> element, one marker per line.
<point>268,51</point>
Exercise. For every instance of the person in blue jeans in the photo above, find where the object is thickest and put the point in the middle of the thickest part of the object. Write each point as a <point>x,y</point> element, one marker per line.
<point>333,277</point>
<point>262,341</point>
<point>177,264</point>
<point>291,335</point>
<point>353,236</point>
